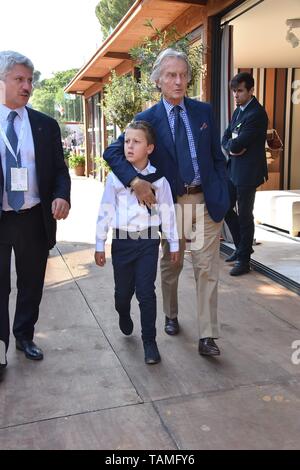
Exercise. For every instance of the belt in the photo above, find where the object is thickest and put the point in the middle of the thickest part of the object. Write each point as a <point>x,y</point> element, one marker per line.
<point>193,189</point>
<point>150,232</point>
<point>22,211</point>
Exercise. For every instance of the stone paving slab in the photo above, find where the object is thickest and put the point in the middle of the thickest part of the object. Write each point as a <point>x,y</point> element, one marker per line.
<point>252,417</point>
<point>80,371</point>
<point>93,390</point>
<point>256,345</point>
<point>125,428</point>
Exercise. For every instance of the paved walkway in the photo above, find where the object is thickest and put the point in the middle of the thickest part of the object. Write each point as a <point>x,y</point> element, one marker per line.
<point>93,390</point>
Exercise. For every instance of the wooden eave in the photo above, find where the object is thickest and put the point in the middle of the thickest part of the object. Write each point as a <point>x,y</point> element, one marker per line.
<point>113,53</point>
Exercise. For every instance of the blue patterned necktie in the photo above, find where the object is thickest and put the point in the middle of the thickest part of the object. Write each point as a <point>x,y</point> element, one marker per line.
<point>182,148</point>
<point>15,198</point>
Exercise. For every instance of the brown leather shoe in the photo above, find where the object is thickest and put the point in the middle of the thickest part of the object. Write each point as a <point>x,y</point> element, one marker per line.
<point>207,347</point>
<point>171,326</point>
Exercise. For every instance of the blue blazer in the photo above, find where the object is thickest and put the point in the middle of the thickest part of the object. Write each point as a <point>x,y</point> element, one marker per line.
<point>212,163</point>
<point>52,174</point>
<point>250,168</point>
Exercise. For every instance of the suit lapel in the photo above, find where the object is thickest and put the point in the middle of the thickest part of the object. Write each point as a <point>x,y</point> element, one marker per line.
<point>163,130</point>
<point>36,130</point>
<point>194,120</point>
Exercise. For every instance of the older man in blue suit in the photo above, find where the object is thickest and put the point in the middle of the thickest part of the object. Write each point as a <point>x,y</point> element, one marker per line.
<point>188,154</point>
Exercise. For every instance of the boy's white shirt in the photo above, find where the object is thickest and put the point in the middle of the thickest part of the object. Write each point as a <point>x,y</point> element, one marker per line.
<point>119,208</point>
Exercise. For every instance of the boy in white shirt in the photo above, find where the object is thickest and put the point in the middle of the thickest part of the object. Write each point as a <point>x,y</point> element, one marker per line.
<point>135,244</point>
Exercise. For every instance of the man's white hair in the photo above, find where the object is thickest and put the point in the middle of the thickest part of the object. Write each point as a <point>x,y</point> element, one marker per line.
<point>8,59</point>
<point>156,71</point>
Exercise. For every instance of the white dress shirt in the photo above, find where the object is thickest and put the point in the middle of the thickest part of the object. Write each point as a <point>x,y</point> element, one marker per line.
<point>119,208</point>
<point>31,197</point>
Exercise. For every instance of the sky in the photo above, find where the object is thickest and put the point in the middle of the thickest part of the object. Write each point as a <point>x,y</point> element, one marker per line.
<point>56,35</point>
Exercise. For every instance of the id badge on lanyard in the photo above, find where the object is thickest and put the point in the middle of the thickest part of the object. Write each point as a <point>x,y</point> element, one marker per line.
<point>19,179</point>
<point>19,176</point>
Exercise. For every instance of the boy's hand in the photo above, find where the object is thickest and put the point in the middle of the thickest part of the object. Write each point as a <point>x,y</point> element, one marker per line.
<point>174,257</point>
<point>100,259</point>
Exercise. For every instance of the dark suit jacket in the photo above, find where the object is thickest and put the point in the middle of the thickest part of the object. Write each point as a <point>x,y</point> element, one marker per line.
<point>52,174</point>
<point>211,161</point>
<point>249,169</point>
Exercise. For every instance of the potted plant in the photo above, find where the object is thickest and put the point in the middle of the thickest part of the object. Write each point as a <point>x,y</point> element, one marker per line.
<point>67,154</point>
<point>77,162</point>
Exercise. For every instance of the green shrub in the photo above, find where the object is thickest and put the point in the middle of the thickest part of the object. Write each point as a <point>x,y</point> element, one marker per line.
<point>76,160</point>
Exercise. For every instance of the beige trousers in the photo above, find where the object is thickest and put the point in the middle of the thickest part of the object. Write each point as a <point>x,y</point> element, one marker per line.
<point>194,223</point>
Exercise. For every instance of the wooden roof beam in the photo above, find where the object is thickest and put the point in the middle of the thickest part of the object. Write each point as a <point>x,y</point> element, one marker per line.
<point>191,2</point>
<point>91,79</point>
<point>118,55</point>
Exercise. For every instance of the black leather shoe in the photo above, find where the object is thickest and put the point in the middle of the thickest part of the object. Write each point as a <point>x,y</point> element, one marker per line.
<point>239,268</point>
<point>233,257</point>
<point>126,325</point>
<point>2,366</point>
<point>30,349</point>
<point>207,347</point>
<point>152,355</point>
<point>171,326</point>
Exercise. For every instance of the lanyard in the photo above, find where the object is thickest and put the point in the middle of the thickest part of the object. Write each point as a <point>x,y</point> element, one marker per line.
<point>7,143</point>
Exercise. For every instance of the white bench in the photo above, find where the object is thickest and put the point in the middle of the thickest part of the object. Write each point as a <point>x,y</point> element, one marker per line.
<point>280,209</point>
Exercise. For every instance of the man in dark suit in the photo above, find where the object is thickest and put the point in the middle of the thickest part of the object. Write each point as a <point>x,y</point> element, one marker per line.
<point>189,155</point>
<point>34,194</point>
<point>244,141</point>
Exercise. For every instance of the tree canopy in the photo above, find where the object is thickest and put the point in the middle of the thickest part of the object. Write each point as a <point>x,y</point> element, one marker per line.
<point>49,97</point>
<point>110,12</point>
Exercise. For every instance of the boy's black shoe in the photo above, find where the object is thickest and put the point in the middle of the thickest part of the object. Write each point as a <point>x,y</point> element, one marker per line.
<point>126,325</point>
<point>152,355</point>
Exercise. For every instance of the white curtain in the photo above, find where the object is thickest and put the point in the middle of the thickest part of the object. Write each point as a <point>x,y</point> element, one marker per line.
<point>227,71</point>
<point>226,104</point>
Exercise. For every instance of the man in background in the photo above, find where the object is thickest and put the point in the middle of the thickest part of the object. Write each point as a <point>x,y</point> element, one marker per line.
<point>244,141</point>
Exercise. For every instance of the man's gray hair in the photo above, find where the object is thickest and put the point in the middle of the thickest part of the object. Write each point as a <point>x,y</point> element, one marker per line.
<point>8,59</point>
<point>156,71</point>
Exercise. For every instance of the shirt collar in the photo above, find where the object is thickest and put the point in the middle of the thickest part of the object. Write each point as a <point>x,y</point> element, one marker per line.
<point>4,112</point>
<point>149,169</point>
<point>169,107</point>
<point>245,105</point>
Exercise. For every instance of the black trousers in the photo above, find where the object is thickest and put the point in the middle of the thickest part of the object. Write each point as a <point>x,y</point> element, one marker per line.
<point>241,223</point>
<point>135,267</point>
<point>25,234</point>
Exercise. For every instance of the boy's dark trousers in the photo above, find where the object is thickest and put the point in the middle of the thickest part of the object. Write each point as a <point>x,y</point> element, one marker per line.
<point>135,266</point>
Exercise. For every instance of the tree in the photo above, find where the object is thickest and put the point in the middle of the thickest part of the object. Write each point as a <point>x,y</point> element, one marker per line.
<point>146,54</point>
<point>110,12</point>
<point>36,78</point>
<point>49,97</point>
<point>124,96</point>
<point>122,99</point>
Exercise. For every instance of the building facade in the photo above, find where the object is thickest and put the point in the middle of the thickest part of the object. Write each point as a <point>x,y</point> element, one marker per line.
<point>259,36</point>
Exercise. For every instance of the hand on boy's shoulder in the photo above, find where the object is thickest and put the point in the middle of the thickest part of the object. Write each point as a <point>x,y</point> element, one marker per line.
<point>144,193</point>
